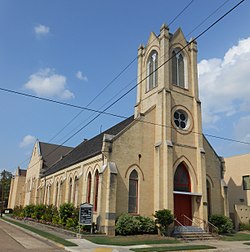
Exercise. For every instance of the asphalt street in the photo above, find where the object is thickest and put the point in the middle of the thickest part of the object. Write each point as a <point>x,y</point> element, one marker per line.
<point>15,239</point>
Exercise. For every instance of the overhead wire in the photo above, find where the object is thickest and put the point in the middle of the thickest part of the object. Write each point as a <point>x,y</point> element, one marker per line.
<point>112,81</point>
<point>104,111</point>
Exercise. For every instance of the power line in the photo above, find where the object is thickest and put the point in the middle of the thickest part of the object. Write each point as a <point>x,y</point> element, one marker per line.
<point>114,79</point>
<point>104,111</point>
<point>161,57</point>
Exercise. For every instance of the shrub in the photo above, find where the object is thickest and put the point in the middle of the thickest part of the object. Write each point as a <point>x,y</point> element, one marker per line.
<point>164,218</point>
<point>244,226</point>
<point>17,211</point>
<point>146,225</point>
<point>39,211</point>
<point>65,211</point>
<point>127,225</point>
<point>28,210</point>
<point>223,223</point>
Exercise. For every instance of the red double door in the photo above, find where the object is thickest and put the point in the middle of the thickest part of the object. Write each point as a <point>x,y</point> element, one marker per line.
<point>183,206</point>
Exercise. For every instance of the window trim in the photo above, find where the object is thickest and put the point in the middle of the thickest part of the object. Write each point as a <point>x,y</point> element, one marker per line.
<point>177,53</point>
<point>152,74</point>
<point>246,184</point>
<point>135,182</point>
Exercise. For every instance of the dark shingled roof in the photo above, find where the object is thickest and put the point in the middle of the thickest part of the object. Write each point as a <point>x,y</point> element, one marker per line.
<point>52,153</point>
<point>87,148</point>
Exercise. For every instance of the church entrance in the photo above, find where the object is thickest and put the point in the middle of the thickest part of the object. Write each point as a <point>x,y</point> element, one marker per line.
<point>182,198</point>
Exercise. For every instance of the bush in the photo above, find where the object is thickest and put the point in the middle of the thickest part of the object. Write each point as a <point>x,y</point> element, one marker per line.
<point>130,225</point>
<point>17,211</point>
<point>66,211</point>
<point>28,210</point>
<point>146,225</point>
<point>127,225</point>
<point>39,211</point>
<point>223,223</point>
<point>244,226</point>
<point>164,218</point>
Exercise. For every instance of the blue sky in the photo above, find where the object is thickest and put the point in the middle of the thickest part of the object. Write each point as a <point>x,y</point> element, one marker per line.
<point>70,50</point>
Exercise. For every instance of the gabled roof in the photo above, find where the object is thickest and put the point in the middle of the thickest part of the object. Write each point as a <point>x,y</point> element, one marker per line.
<point>52,153</point>
<point>87,148</point>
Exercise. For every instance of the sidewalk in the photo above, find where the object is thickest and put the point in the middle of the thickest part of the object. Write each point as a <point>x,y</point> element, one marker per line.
<point>87,246</point>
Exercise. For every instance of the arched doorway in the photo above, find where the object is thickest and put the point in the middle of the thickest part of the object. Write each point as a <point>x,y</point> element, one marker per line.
<point>182,198</point>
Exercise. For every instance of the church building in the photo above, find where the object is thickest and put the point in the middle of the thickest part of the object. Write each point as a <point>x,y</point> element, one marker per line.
<point>156,159</point>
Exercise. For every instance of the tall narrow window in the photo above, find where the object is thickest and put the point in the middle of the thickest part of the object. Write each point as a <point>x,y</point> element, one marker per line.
<point>89,188</point>
<point>178,69</point>
<point>152,71</point>
<point>133,192</point>
<point>246,182</point>
<point>75,196</point>
<point>182,179</point>
<point>96,190</point>
<point>56,194</point>
<point>70,190</point>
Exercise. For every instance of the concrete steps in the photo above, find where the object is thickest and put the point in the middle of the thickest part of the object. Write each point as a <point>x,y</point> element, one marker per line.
<point>191,233</point>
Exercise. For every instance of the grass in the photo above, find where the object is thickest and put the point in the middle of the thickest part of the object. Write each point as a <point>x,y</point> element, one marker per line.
<point>236,237</point>
<point>174,248</point>
<point>131,240</point>
<point>42,233</point>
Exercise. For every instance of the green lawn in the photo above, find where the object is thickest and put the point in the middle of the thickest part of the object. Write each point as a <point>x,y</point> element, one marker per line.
<point>236,237</point>
<point>131,240</point>
<point>42,233</point>
<point>174,248</point>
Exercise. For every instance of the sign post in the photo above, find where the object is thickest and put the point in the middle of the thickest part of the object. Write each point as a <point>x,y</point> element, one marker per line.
<point>86,215</point>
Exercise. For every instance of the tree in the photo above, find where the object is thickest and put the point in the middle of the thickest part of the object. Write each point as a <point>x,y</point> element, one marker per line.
<point>5,181</point>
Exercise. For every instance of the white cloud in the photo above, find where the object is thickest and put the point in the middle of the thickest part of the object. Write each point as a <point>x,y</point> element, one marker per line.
<point>27,141</point>
<point>225,83</point>
<point>46,83</point>
<point>41,30</point>
<point>81,76</point>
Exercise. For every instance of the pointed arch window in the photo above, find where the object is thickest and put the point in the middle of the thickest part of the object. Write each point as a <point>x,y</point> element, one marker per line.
<point>75,196</point>
<point>70,189</point>
<point>89,188</point>
<point>56,194</point>
<point>178,69</point>
<point>182,179</point>
<point>96,190</point>
<point>152,72</point>
<point>133,192</point>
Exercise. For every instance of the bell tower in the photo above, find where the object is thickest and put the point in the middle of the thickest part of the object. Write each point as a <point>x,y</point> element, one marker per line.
<point>168,87</point>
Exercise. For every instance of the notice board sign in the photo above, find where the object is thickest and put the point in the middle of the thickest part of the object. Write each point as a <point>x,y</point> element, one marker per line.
<point>86,214</point>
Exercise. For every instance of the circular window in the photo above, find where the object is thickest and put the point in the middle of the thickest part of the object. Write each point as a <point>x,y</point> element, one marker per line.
<point>181,120</point>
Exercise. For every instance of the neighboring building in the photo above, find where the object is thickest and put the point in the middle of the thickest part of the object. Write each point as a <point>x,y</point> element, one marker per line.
<point>17,194</point>
<point>237,177</point>
<point>156,159</point>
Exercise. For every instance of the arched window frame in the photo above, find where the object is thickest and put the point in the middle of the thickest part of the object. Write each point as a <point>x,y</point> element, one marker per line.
<point>179,69</point>
<point>152,72</point>
<point>182,180</point>
<point>89,182</point>
<point>96,186</point>
<point>70,189</point>
<point>75,196</point>
<point>56,193</point>
<point>133,192</point>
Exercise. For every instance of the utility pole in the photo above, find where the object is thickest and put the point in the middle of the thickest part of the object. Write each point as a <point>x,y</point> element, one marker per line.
<point>3,185</point>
